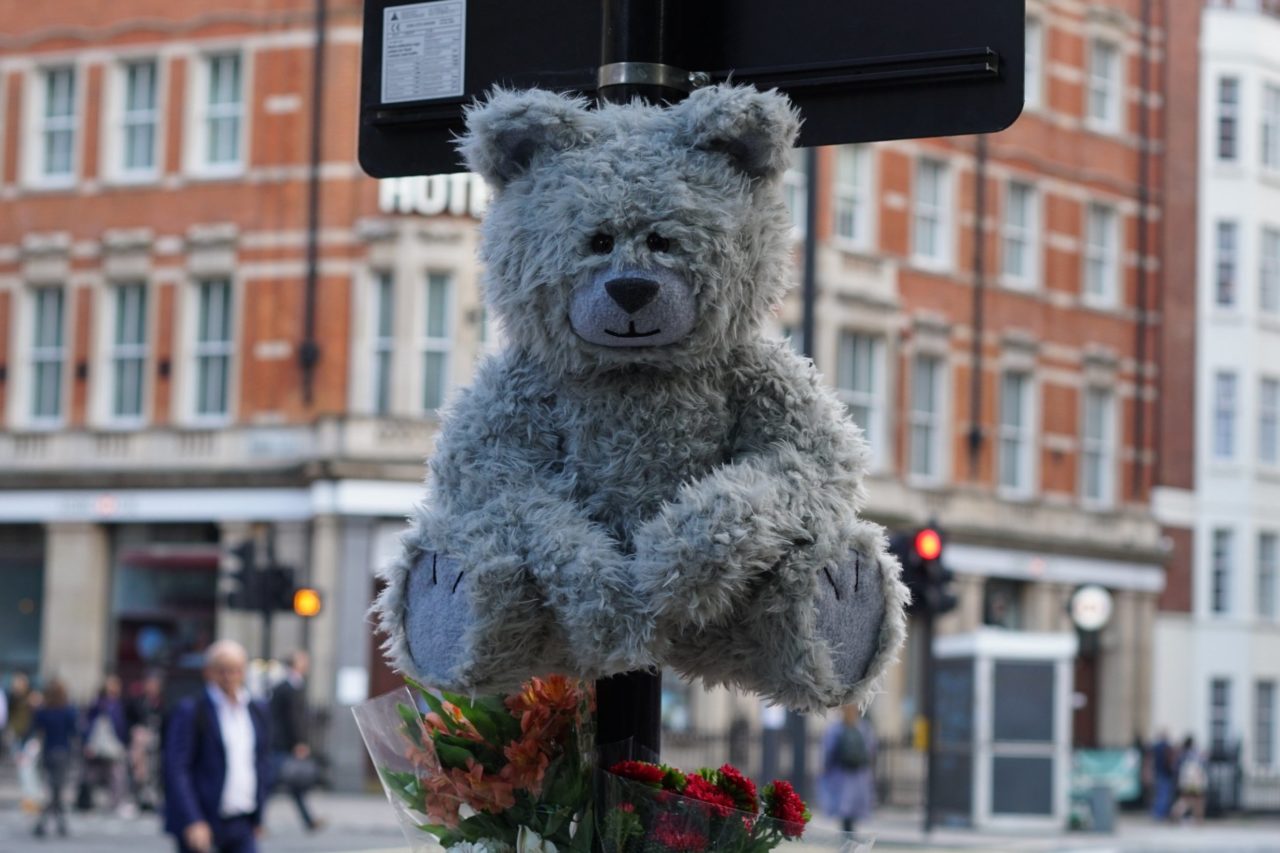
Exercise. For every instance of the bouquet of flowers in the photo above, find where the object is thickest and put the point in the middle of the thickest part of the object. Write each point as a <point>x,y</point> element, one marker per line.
<point>489,774</point>
<point>653,808</point>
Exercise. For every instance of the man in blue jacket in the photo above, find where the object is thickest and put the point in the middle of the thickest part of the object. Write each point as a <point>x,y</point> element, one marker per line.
<point>217,758</point>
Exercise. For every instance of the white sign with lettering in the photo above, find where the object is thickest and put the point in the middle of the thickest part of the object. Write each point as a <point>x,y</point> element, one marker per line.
<point>460,194</point>
<point>424,51</point>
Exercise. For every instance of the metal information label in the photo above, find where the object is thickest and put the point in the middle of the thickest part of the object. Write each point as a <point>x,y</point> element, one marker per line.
<point>424,51</point>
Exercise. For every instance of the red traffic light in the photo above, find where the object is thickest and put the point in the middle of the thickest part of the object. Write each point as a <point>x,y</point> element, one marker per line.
<point>928,544</point>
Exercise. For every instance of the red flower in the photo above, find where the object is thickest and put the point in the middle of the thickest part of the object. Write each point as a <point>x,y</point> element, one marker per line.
<point>700,789</point>
<point>639,771</point>
<point>740,788</point>
<point>784,805</point>
<point>672,833</point>
<point>629,808</point>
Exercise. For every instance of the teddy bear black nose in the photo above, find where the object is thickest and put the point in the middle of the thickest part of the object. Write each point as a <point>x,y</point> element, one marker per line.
<point>632,293</point>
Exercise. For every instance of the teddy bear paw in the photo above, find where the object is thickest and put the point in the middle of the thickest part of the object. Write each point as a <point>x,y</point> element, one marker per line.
<point>438,613</point>
<point>849,612</point>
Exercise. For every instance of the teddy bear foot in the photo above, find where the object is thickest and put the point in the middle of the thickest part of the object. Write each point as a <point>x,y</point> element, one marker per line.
<point>438,613</point>
<point>848,614</point>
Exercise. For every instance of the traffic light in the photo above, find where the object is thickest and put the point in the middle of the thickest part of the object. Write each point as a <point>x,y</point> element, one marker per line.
<point>307,602</point>
<point>920,553</point>
<point>245,590</point>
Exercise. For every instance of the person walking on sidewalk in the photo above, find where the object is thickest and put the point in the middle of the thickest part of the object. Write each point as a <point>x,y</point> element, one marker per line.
<point>846,788</point>
<point>1163,777</point>
<point>55,724</point>
<point>1193,783</point>
<point>217,761</point>
<point>293,762</point>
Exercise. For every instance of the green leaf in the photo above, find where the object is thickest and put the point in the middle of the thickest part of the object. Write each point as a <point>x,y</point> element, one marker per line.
<point>412,722</point>
<point>483,753</point>
<point>452,756</point>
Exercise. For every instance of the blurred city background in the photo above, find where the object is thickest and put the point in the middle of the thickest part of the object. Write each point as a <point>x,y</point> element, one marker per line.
<point>1062,342</point>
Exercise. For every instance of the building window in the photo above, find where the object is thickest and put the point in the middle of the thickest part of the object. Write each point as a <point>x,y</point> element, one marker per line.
<point>1271,126</point>
<point>383,340</point>
<point>1002,603</point>
<point>1220,580</point>
<point>1264,725</point>
<point>926,417</point>
<point>860,385</point>
<point>213,348</point>
<point>1101,255</point>
<point>1104,85</point>
<point>435,341</point>
<point>1019,243</point>
<point>853,195</point>
<point>1098,447</point>
<point>48,354</point>
<point>931,234</point>
<point>58,124</point>
<point>795,188</point>
<point>1224,415</point>
<point>1228,117</point>
<point>1033,78</point>
<point>1016,433</point>
<point>223,118</point>
<point>1268,568</point>
<point>129,352</point>
<point>1269,272</point>
<point>1219,715</point>
<point>1225,287</point>
<point>1269,422</point>
<point>139,118</point>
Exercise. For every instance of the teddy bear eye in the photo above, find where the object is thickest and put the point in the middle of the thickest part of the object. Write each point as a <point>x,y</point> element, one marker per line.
<point>602,244</point>
<point>658,243</point>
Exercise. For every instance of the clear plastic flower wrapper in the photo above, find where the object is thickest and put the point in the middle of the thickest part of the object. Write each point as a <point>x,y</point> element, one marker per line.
<point>487,774</point>
<point>645,807</point>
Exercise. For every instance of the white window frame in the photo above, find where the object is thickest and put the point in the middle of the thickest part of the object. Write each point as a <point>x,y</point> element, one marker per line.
<point>1225,415</point>
<point>795,189</point>
<point>201,350</point>
<point>121,119</point>
<point>1033,66</point>
<point>134,352</point>
<point>1222,555</point>
<point>853,345</point>
<point>854,197</point>
<point>1264,723</point>
<point>933,214</point>
<point>39,124</point>
<point>1226,264</point>
<point>1026,233</point>
<point>1269,271</point>
<point>203,112</point>
<point>1020,436</point>
<point>1102,447</point>
<point>1101,289</point>
<point>429,344</point>
<point>382,365</point>
<point>927,429</point>
<point>1268,576</point>
<point>1269,421</point>
<point>1270,142</point>
<point>1226,123</point>
<point>1105,87</point>
<point>39,355</point>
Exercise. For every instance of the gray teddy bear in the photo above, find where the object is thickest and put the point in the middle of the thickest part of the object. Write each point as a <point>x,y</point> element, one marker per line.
<point>642,478</point>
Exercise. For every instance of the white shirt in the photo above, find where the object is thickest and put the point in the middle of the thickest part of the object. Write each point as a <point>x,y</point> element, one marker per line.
<point>240,788</point>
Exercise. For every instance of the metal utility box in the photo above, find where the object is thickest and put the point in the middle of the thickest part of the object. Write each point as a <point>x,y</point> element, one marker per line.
<point>1003,731</point>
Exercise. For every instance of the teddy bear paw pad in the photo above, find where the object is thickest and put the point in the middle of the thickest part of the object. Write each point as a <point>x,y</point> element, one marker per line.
<point>849,613</point>
<point>438,614</point>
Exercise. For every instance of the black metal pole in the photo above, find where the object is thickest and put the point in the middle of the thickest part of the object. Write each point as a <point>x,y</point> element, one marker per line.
<point>309,351</point>
<point>266,631</point>
<point>931,732</point>
<point>979,290</point>
<point>809,287</point>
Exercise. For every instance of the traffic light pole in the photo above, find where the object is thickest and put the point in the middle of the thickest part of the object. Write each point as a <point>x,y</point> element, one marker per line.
<point>931,730</point>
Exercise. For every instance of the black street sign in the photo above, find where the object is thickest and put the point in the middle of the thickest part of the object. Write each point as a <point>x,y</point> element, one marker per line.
<point>859,70</point>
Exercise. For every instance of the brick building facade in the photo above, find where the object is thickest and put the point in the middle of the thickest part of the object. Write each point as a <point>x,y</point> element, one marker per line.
<point>987,308</point>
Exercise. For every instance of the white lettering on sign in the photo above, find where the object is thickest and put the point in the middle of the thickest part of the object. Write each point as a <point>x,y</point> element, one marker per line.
<point>424,51</point>
<point>459,194</point>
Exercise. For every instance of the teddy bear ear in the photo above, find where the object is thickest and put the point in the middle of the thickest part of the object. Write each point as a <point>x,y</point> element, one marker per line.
<point>510,127</point>
<point>754,129</point>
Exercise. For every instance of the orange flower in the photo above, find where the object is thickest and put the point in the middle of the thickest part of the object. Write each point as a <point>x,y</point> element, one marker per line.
<point>526,765</point>
<point>440,800</point>
<point>462,727</point>
<point>423,756</point>
<point>483,793</point>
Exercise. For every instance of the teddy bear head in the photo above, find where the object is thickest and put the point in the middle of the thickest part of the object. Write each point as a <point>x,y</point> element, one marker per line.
<point>633,235</point>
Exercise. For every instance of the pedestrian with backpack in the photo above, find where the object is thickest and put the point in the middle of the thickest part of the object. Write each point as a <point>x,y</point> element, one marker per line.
<point>846,789</point>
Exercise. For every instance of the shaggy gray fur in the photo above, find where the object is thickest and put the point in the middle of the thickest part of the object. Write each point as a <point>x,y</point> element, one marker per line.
<point>692,501</point>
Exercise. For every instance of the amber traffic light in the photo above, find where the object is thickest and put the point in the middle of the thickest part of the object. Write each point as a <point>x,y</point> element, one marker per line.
<point>306,601</point>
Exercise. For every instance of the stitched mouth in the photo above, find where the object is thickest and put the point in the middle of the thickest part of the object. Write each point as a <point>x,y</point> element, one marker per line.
<point>631,332</point>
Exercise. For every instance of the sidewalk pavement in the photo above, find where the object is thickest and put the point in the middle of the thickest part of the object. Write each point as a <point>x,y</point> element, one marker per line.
<point>365,823</point>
